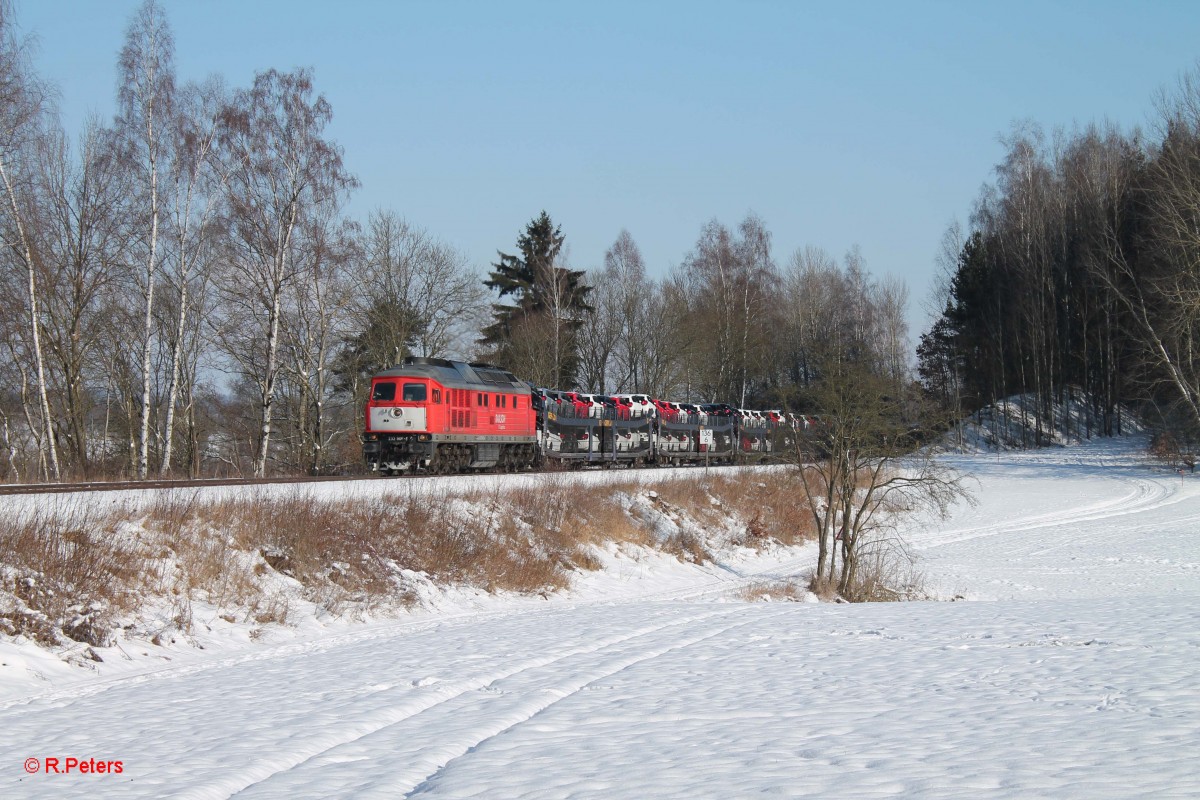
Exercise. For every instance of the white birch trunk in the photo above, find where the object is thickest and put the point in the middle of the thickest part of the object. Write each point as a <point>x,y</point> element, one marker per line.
<point>268,387</point>
<point>176,357</point>
<point>46,441</point>
<point>147,333</point>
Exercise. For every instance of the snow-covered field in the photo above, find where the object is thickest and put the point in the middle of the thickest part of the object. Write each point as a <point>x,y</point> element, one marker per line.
<point>1071,671</point>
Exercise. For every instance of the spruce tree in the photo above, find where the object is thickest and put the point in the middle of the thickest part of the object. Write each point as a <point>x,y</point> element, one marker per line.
<point>534,333</point>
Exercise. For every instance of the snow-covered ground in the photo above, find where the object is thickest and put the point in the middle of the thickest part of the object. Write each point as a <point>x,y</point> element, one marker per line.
<point>1070,672</point>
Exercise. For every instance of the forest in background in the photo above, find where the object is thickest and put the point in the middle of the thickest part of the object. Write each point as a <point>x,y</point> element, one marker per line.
<point>186,294</point>
<point>1079,277</point>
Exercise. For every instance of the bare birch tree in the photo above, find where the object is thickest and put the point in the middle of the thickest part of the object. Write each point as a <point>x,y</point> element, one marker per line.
<point>634,296</point>
<point>195,193</point>
<point>315,320</point>
<point>814,293</point>
<point>1166,301</point>
<point>427,284</point>
<point>83,239</point>
<point>22,106</point>
<point>601,333</point>
<point>145,94</point>
<point>726,284</point>
<point>278,168</point>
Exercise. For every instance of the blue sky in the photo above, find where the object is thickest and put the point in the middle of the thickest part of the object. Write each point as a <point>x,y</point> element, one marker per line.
<point>869,124</point>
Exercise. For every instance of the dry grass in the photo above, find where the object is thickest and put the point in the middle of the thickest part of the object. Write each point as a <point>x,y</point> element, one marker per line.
<point>770,504</point>
<point>255,558</point>
<point>790,590</point>
<point>886,572</point>
<point>66,576</point>
<point>825,588</point>
<point>564,523</point>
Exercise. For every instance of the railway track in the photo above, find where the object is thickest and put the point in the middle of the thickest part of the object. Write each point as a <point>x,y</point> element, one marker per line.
<point>120,486</point>
<point>124,486</point>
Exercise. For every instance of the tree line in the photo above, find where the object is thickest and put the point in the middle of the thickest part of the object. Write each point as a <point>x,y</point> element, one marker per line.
<point>186,293</point>
<point>727,324</point>
<point>1077,277</point>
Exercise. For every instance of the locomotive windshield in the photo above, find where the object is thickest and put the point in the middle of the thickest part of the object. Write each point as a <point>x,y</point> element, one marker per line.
<point>384,391</point>
<point>414,393</point>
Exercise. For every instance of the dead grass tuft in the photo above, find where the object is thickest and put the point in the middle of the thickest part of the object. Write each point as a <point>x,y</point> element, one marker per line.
<point>686,546</point>
<point>769,503</point>
<point>65,577</point>
<point>886,573</point>
<point>790,590</point>
<point>825,588</point>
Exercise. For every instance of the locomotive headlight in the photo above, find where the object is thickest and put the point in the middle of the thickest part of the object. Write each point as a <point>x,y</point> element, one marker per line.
<point>397,412</point>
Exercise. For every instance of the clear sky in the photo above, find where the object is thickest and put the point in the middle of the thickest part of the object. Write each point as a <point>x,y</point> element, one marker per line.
<point>838,123</point>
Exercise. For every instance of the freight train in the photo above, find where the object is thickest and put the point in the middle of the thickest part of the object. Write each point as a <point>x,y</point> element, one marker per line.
<point>440,416</point>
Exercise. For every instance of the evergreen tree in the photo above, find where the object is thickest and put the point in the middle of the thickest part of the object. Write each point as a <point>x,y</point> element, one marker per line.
<point>383,339</point>
<point>534,334</point>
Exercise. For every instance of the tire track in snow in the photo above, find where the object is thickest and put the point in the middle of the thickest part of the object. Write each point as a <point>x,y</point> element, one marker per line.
<point>530,707</point>
<point>1145,495</point>
<point>89,686</point>
<point>419,702</point>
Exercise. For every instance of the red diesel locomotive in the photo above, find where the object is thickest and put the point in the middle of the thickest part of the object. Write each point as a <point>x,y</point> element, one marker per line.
<point>438,415</point>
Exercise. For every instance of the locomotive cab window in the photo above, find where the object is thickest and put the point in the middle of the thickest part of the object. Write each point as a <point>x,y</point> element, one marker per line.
<point>413,392</point>
<point>384,391</point>
<point>437,395</point>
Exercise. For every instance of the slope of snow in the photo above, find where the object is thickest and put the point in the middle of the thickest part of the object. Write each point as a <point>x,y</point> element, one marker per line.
<point>1018,423</point>
<point>1076,678</point>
